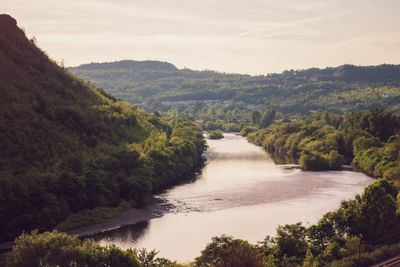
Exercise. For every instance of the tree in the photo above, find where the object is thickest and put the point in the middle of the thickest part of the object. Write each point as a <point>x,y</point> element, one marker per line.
<point>226,251</point>
<point>380,123</point>
<point>335,160</point>
<point>309,260</point>
<point>312,161</point>
<point>363,143</point>
<point>267,118</point>
<point>255,117</point>
<point>269,261</point>
<point>291,240</point>
<point>59,249</point>
<point>320,235</point>
<point>379,212</point>
<point>372,216</point>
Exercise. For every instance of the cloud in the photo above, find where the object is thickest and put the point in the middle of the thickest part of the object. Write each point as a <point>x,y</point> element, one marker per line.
<point>256,36</point>
<point>272,29</point>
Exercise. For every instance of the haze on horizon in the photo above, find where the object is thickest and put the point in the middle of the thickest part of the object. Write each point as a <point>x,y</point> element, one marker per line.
<point>255,37</point>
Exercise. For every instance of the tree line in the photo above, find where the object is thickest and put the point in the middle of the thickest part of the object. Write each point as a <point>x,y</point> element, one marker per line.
<point>325,141</point>
<point>161,86</point>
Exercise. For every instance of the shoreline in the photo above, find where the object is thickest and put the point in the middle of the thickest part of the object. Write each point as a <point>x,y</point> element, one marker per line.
<point>129,217</point>
<point>137,215</point>
<point>134,216</point>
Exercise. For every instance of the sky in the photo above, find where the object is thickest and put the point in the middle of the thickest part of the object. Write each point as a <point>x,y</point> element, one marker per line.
<point>235,36</point>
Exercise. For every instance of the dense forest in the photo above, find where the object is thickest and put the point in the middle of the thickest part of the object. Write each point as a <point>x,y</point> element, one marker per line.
<point>362,231</point>
<point>161,86</point>
<point>67,146</point>
<point>324,141</point>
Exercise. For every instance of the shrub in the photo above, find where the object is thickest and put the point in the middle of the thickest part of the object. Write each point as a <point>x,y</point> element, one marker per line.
<point>231,127</point>
<point>247,130</point>
<point>59,249</point>
<point>217,134</point>
<point>226,251</point>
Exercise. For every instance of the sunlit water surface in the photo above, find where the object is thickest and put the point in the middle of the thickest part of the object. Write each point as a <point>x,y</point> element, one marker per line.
<point>240,192</point>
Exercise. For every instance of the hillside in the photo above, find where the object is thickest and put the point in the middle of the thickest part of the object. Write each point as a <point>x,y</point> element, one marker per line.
<point>159,86</point>
<point>68,146</point>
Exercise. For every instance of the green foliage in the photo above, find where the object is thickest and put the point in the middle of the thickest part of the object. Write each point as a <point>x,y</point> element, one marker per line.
<point>226,251</point>
<point>325,141</point>
<point>92,217</point>
<point>269,261</point>
<point>363,143</point>
<point>359,233</point>
<point>217,134</point>
<point>377,160</point>
<point>150,259</point>
<point>367,259</point>
<point>379,221</point>
<point>377,122</point>
<point>371,217</point>
<point>267,118</point>
<point>161,86</point>
<point>309,260</point>
<point>67,146</point>
<point>59,249</point>
<point>211,125</point>
<point>362,224</point>
<point>291,240</point>
<point>314,161</point>
<point>247,130</point>
<point>255,117</point>
<point>231,127</point>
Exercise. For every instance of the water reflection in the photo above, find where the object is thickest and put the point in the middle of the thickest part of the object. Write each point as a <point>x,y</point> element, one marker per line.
<point>240,192</point>
<point>129,234</point>
<point>283,159</point>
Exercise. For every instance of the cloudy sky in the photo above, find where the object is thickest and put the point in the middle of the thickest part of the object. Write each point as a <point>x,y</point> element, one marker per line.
<point>244,36</point>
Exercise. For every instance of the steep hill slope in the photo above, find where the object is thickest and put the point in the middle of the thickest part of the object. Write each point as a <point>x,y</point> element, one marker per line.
<point>338,89</point>
<point>67,146</point>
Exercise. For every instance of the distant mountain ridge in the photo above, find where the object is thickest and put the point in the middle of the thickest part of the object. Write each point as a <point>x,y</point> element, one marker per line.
<point>335,89</point>
<point>151,65</point>
<point>347,72</point>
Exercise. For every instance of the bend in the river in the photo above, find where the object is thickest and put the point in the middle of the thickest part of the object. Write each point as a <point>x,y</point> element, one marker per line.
<point>240,192</point>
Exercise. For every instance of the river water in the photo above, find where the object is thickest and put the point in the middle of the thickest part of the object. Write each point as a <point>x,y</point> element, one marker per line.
<point>240,192</point>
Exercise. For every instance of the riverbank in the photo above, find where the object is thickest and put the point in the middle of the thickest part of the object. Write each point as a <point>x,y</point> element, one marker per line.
<point>158,206</point>
<point>241,192</point>
<point>130,217</point>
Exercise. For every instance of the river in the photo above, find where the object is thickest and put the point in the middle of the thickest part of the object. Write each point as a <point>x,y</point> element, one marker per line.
<point>240,192</point>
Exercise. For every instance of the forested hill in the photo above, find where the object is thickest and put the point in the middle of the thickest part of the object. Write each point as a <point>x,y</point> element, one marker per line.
<point>159,86</point>
<point>66,146</point>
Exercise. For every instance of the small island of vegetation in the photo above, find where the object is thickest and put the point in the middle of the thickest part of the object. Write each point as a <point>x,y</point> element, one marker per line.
<point>216,134</point>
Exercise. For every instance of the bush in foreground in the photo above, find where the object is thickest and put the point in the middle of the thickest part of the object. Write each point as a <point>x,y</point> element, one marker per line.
<point>226,251</point>
<point>53,249</point>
